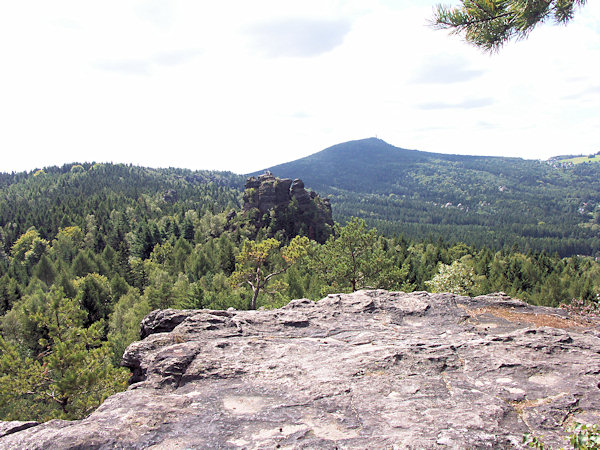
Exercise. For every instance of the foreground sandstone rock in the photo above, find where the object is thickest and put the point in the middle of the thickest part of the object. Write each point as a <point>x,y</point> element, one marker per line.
<point>372,369</point>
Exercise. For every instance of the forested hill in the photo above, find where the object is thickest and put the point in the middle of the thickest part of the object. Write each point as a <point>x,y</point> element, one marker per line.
<point>483,201</point>
<point>56,197</point>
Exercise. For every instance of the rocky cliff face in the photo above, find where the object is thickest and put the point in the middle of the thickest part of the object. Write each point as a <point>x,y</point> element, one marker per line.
<point>373,369</point>
<point>285,205</point>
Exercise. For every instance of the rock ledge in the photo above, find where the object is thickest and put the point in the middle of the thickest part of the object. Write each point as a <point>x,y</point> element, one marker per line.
<point>373,369</point>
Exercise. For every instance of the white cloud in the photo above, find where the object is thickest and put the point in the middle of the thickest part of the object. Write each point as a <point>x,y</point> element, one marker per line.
<point>133,67</point>
<point>244,85</point>
<point>446,69</point>
<point>298,37</point>
<point>464,104</point>
<point>145,66</point>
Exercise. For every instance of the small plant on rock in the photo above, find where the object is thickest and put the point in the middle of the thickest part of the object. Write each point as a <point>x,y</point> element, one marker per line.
<point>583,307</point>
<point>582,437</point>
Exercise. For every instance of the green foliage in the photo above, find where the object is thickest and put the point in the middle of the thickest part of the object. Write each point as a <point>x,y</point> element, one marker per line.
<point>533,441</point>
<point>193,298</point>
<point>120,241</point>
<point>293,283</point>
<point>220,294</point>
<point>490,23</point>
<point>45,270</point>
<point>93,294</point>
<point>257,262</point>
<point>18,324</point>
<point>67,243</point>
<point>24,244</point>
<point>585,437</point>
<point>84,264</point>
<point>72,375</point>
<point>29,248</point>
<point>582,437</point>
<point>10,292</point>
<point>124,323</point>
<point>578,159</point>
<point>351,258</point>
<point>116,195</point>
<point>160,290</point>
<point>481,201</point>
<point>456,278</point>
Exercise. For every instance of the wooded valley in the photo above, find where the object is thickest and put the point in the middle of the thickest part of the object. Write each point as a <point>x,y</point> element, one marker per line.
<point>87,250</point>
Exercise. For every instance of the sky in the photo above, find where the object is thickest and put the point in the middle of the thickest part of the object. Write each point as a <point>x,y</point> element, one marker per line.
<point>243,85</point>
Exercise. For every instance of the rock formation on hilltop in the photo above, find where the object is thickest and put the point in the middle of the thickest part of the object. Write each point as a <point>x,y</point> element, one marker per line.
<point>372,369</point>
<point>285,206</point>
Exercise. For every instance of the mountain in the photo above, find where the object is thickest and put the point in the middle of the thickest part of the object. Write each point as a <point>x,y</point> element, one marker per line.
<point>493,201</point>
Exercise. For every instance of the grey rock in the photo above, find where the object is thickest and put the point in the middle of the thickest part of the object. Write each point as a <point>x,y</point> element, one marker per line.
<point>267,194</point>
<point>170,196</point>
<point>372,369</point>
<point>282,191</point>
<point>7,428</point>
<point>160,321</point>
<point>299,193</point>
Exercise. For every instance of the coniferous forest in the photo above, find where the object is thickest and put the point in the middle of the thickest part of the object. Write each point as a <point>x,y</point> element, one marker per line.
<point>494,202</point>
<point>87,250</point>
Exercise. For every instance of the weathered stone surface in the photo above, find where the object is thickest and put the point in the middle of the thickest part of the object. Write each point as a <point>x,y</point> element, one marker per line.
<point>299,193</point>
<point>373,369</point>
<point>310,215</point>
<point>282,191</point>
<point>269,192</point>
<point>161,321</point>
<point>266,194</point>
<point>7,428</point>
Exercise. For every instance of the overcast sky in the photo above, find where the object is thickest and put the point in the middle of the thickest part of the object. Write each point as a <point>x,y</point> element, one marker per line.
<point>242,85</point>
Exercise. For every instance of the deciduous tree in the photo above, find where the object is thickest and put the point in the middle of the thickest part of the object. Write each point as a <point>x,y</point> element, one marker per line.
<point>457,278</point>
<point>256,265</point>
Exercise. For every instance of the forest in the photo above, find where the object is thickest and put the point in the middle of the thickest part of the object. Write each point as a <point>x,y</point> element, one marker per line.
<point>87,250</point>
<point>482,201</point>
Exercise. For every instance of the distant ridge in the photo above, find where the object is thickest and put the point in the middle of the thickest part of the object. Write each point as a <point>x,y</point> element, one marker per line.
<point>374,152</point>
<point>356,164</point>
<point>479,200</point>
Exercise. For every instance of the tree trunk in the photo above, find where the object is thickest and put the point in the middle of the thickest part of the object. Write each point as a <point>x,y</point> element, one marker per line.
<point>254,297</point>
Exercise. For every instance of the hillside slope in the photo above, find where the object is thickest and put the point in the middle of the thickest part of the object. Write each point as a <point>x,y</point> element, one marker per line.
<point>479,200</point>
<point>56,197</point>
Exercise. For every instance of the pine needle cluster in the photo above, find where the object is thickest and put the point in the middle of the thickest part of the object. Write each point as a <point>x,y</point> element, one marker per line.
<point>489,24</point>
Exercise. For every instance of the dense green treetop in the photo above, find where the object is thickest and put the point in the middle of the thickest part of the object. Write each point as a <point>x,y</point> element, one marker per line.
<point>70,377</point>
<point>491,23</point>
<point>56,197</point>
<point>256,265</point>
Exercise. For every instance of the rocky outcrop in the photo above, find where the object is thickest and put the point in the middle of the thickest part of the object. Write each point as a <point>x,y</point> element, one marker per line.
<point>15,426</point>
<point>295,210</point>
<point>373,369</point>
<point>298,192</point>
